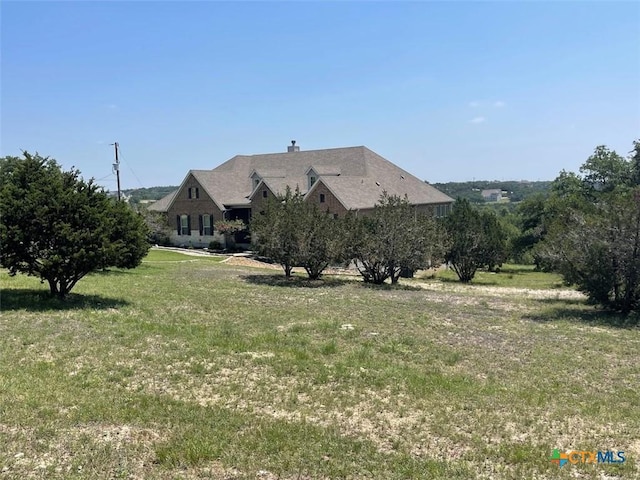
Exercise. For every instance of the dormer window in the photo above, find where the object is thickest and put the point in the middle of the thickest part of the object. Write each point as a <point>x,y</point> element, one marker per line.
<point>312,177</point>
<point>255,180</point>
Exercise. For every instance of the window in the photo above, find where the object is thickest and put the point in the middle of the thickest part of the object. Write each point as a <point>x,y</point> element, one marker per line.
<point>322,198</point>
<point>264,194</point>
<point>312,180</point>
<point>207,227</point>
<point>194,192</point>
<point>442,210</point>
<point>256,182</point>
<point>184,225</point>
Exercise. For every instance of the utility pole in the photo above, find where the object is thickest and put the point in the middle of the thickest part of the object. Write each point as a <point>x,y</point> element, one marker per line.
<point>116,168</point>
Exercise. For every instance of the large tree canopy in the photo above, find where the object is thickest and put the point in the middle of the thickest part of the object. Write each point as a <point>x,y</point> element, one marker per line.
<point>58,227</point>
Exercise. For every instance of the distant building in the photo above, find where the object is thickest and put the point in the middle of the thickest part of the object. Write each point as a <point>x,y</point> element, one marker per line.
<point>492,195</point>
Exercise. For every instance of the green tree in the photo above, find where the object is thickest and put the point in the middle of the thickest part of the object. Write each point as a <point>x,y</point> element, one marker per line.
<point>477,239</point>
<point>320,240</point>
<point>58,227</point>
<point>532,222</point>
<point>466,253</point>
<point>275,230</point>
<point>594,235</point>
<point>394,239</point>
<point>634,157</point>
<point>494,241</point>
<point>293,232</point>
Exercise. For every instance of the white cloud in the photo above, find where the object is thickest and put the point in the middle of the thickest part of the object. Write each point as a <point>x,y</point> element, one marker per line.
<point>478,120</point>
<point>499,104</point>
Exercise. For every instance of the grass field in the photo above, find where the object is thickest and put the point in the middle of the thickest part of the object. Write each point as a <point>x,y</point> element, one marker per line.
<point>191,368</point>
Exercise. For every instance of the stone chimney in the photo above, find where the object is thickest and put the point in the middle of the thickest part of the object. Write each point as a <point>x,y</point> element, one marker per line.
<point>292,147</point>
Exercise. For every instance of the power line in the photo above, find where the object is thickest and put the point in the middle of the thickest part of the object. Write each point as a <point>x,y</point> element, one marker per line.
<point>130,169</point>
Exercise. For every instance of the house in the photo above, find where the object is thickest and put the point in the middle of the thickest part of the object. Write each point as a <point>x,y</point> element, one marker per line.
<point>336,179</point>
<point>492,195</point>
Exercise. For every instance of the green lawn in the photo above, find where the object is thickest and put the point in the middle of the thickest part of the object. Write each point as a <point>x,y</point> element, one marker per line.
<point>516,276</point>
<point>190,368</point>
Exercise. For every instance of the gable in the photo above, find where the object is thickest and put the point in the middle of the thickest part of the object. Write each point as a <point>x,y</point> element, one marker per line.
<point>356,176</point>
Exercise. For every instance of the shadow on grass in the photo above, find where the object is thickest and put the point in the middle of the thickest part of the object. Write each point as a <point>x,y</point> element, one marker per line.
<point>38,300</point>
<point>573,310</point>
<point>293,282</point>
<point>477,282</point>
<point>389,286</point>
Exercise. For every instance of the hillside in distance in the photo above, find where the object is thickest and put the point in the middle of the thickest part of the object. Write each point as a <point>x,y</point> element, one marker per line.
<point>139,195</point>
<point>512,190</point>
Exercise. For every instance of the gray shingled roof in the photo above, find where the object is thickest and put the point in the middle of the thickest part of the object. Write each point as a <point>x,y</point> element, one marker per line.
<point>162,205</point>
<point>363,175</point>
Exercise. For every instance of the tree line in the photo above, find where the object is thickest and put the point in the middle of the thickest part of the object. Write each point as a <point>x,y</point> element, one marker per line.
<point>392,240</point>
<point>516,191</point>
<point>587,228</point>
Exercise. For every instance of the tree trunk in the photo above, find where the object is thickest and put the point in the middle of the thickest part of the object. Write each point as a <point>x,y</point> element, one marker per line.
<point>53,287</point>
<point>287,270</point>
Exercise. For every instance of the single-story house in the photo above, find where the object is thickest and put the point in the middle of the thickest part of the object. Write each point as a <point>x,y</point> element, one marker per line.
<point>336,179</point>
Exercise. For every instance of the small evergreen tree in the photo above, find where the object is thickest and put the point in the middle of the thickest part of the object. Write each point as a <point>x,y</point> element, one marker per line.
<point>293,232</point>
<point>394,239</point>
<point>320,240</point>
<point>275,231</point>
<point>477,240</point>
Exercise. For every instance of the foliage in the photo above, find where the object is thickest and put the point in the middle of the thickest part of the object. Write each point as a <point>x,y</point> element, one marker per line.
<point>532,222</point>
<point>320,239</point>
<point>275,230</point>
<point>494,241</point>
<point>159,230</point>
<point>293,232</point>
<point>230,227</point>
<point>594,236</point>
<point>394,239</point>
<point>58,227</point>
<point>477,240</point>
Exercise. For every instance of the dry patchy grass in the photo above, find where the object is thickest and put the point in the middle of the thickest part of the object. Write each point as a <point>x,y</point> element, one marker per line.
<point>200,369</point>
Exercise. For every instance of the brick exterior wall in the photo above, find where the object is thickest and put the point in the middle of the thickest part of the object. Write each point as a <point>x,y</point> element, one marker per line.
<point>194,207</point>
<point>330,204</point>
<point>259,201</point>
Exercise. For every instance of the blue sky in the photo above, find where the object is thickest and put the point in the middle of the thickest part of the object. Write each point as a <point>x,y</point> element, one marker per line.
<point>449,91</point>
